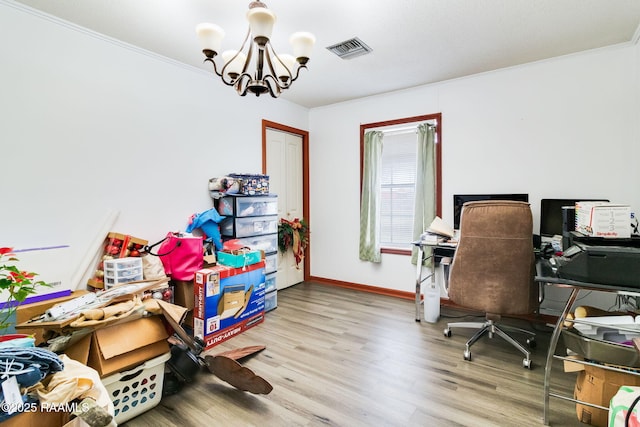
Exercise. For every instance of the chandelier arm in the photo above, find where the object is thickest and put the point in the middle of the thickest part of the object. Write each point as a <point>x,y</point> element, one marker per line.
<point>215,69</point>
<point>222,74</point>
<point>281,84</point>
<point>213,63</point>
<point>242,84</point>
<point>269,80</point>
<point>300,67</point>
<point>249,54</point>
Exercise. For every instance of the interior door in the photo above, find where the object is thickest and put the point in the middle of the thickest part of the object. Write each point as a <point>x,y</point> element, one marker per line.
<point>284,166</point>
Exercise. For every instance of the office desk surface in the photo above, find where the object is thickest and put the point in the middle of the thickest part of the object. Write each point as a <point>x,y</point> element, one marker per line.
<point>546,274</point>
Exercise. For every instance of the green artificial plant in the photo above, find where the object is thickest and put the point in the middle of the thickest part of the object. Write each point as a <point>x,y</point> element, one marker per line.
<point>16,285</point>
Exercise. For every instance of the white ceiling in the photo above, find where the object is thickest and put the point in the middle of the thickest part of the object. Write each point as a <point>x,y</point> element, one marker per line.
<point>414,42</point>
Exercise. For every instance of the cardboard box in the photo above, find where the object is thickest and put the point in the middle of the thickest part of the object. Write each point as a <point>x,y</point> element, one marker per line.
<point>37,419</point>
<point>240,259</point>
<point>188,320</point>
<point>44,418</point>
<point>570,366</point>
<point>228,301</point>
<point>26,312</point>
<point>597,385</point>
<point>601,219</point>
<point>121,346</point>
<point>183,293</point>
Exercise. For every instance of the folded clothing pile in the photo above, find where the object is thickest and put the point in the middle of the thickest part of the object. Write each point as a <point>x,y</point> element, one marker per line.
<point>29,366</point>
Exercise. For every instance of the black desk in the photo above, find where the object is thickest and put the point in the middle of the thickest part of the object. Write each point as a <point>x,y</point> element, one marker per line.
<point>547,276</point>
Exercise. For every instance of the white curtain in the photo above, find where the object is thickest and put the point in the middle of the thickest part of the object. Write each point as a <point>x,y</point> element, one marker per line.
<point>370,203</point>
<point>425,202</point>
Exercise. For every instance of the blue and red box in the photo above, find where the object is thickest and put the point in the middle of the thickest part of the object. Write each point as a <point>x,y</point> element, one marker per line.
<point>228,301</point>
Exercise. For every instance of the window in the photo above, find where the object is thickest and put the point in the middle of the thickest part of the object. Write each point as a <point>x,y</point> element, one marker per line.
<point>397,179</point>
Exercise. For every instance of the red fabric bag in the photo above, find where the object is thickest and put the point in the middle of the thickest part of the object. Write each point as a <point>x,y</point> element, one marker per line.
<point>181,255</point>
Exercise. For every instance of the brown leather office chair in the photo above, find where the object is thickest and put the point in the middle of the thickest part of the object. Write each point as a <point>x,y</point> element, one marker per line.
<point>493,269</point>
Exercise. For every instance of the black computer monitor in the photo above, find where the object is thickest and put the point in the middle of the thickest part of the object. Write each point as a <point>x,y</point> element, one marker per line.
<point>551,218</point>
<point>461,199</point>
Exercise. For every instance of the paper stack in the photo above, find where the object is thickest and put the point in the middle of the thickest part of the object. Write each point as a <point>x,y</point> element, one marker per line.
<point>439,227</point>
<point>438,232</point>
<point>430,238</point>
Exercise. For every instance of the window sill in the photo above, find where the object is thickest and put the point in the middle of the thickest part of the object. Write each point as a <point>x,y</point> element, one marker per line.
<point>395,251</point>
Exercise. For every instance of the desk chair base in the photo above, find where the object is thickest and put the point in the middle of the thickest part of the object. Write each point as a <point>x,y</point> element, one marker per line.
<point>490,328</point>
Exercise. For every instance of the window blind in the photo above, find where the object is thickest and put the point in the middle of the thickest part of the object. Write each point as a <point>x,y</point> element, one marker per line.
<point>398,189</point>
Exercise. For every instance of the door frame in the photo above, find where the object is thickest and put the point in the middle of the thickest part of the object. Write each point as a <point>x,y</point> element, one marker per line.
<point>305,175</point>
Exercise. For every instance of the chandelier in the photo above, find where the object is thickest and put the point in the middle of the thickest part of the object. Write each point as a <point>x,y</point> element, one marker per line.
<point>270,72</point>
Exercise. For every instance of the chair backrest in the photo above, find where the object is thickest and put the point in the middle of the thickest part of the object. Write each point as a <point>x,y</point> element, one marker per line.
<point>493,268</point>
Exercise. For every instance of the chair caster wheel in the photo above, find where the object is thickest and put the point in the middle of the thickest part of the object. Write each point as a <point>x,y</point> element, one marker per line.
<point>467,355</point>
<point>447,333</point>
<point>526,363</point>
<point>531,342</point>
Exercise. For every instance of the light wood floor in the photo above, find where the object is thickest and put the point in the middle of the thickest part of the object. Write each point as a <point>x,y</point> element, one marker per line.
<point>340,357</point>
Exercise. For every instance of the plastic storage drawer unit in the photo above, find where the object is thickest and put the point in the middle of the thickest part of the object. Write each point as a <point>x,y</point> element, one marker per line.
<point>270,282</point>
<point>244,206</point>
<point>271,263</point>
<point>270,300</point>
<point>267,243</point>
<point>122,270</point>
<point>250,226</point>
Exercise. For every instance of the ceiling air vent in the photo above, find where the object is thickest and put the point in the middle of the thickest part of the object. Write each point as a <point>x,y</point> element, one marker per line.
<point>350,48</point>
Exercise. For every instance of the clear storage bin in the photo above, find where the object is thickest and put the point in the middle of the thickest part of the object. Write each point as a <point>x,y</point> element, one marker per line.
<point>250,226</point>
<point>267,243</point>
<point>112,281</point>
<point>122,270</point>
<point>270,300</point>
<point>246,206</point>
<point>125,273</point>
<point>270,282</point>
<point>270,263</point>
<point>119,264</point>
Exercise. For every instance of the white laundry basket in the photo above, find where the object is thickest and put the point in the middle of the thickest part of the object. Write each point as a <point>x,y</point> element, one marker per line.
<point>137,390</point>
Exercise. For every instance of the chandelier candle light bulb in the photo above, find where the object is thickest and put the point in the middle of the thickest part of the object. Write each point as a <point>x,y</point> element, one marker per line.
<point>283,65</point>
<point>261,22</point>
<point>260,69</point>
<point>233,62</point>
<point>211,37</point>
<point>302,43</point>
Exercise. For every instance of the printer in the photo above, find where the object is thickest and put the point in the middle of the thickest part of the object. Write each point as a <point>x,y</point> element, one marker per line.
<point>606,265</point>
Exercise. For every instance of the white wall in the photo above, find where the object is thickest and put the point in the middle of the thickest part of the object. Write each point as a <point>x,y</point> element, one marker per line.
<point>562,128</point>
<point>92,128</point>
